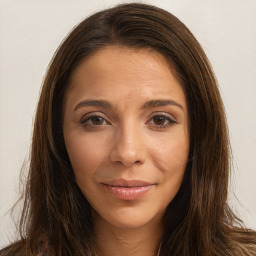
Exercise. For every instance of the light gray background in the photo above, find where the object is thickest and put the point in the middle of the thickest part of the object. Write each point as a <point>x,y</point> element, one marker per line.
<point>30,32</point>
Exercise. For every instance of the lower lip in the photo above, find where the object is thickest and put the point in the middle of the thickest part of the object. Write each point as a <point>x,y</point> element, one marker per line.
<point>128,193</point>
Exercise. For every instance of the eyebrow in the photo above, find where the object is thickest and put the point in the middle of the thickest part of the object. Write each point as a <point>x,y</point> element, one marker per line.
<point>108,105</point>
<point>157,103</point>
<point>95,103</point>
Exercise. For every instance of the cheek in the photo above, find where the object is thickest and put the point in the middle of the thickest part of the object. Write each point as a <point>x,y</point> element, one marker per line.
<point>171,161</point>
<point>170,156</point>
<point>86,154</point>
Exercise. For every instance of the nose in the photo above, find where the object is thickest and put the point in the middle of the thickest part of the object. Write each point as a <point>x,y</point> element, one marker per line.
<point>128,148</point>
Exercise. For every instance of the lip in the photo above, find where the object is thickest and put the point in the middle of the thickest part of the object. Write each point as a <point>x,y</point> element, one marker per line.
<point>128,189</point>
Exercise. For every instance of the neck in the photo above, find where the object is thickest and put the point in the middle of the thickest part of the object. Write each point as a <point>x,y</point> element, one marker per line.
<point>115,241</point>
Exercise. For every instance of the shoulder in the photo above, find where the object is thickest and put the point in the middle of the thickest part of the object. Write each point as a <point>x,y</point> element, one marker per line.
<point>15,249</point>
<point>245,241</point>
<point>19,249</point>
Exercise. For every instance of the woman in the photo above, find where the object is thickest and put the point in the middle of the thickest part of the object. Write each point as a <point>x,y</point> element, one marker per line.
<point>130,151</point>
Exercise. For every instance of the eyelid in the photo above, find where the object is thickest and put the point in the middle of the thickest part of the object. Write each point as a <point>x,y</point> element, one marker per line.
<point>165,114</point>
<point>170,119</point>
<point>88,115</point>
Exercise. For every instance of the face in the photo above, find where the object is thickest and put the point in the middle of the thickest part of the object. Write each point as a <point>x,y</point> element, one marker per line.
<point>126,133</point>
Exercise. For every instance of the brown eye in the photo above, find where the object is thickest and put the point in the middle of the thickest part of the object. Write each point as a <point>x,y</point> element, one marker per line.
<point>97,120</point>
<point>93,120</point>
<point>159,120</point>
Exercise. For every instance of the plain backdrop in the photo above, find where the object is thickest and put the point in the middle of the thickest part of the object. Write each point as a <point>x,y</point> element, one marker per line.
<point>30,32</point>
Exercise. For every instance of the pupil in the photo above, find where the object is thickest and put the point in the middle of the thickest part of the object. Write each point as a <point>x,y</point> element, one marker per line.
<point>159,120</point>
<point>96,120</point>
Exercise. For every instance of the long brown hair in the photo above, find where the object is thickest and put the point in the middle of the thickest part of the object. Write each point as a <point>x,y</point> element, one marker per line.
<point>198,221</point>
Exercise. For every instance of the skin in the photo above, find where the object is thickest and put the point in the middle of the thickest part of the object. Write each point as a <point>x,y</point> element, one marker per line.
<point>127,141</point>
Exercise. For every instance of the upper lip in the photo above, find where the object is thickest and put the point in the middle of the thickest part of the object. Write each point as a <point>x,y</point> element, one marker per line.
<point>128,183</point>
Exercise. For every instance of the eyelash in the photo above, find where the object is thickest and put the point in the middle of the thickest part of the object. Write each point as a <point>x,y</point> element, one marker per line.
<point>167,118</point>
<point>85,121</point>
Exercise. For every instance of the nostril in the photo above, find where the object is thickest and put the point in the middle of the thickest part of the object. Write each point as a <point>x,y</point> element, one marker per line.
<point>127,153</point>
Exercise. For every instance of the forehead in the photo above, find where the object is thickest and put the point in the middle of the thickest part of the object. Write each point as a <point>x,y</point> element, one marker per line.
<point>123,72</point>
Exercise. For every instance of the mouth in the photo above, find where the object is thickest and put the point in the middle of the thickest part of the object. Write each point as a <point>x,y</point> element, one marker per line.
<point>128,189</point>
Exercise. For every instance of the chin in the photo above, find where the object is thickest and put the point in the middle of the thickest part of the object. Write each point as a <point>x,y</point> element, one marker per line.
<point>129,218</point>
